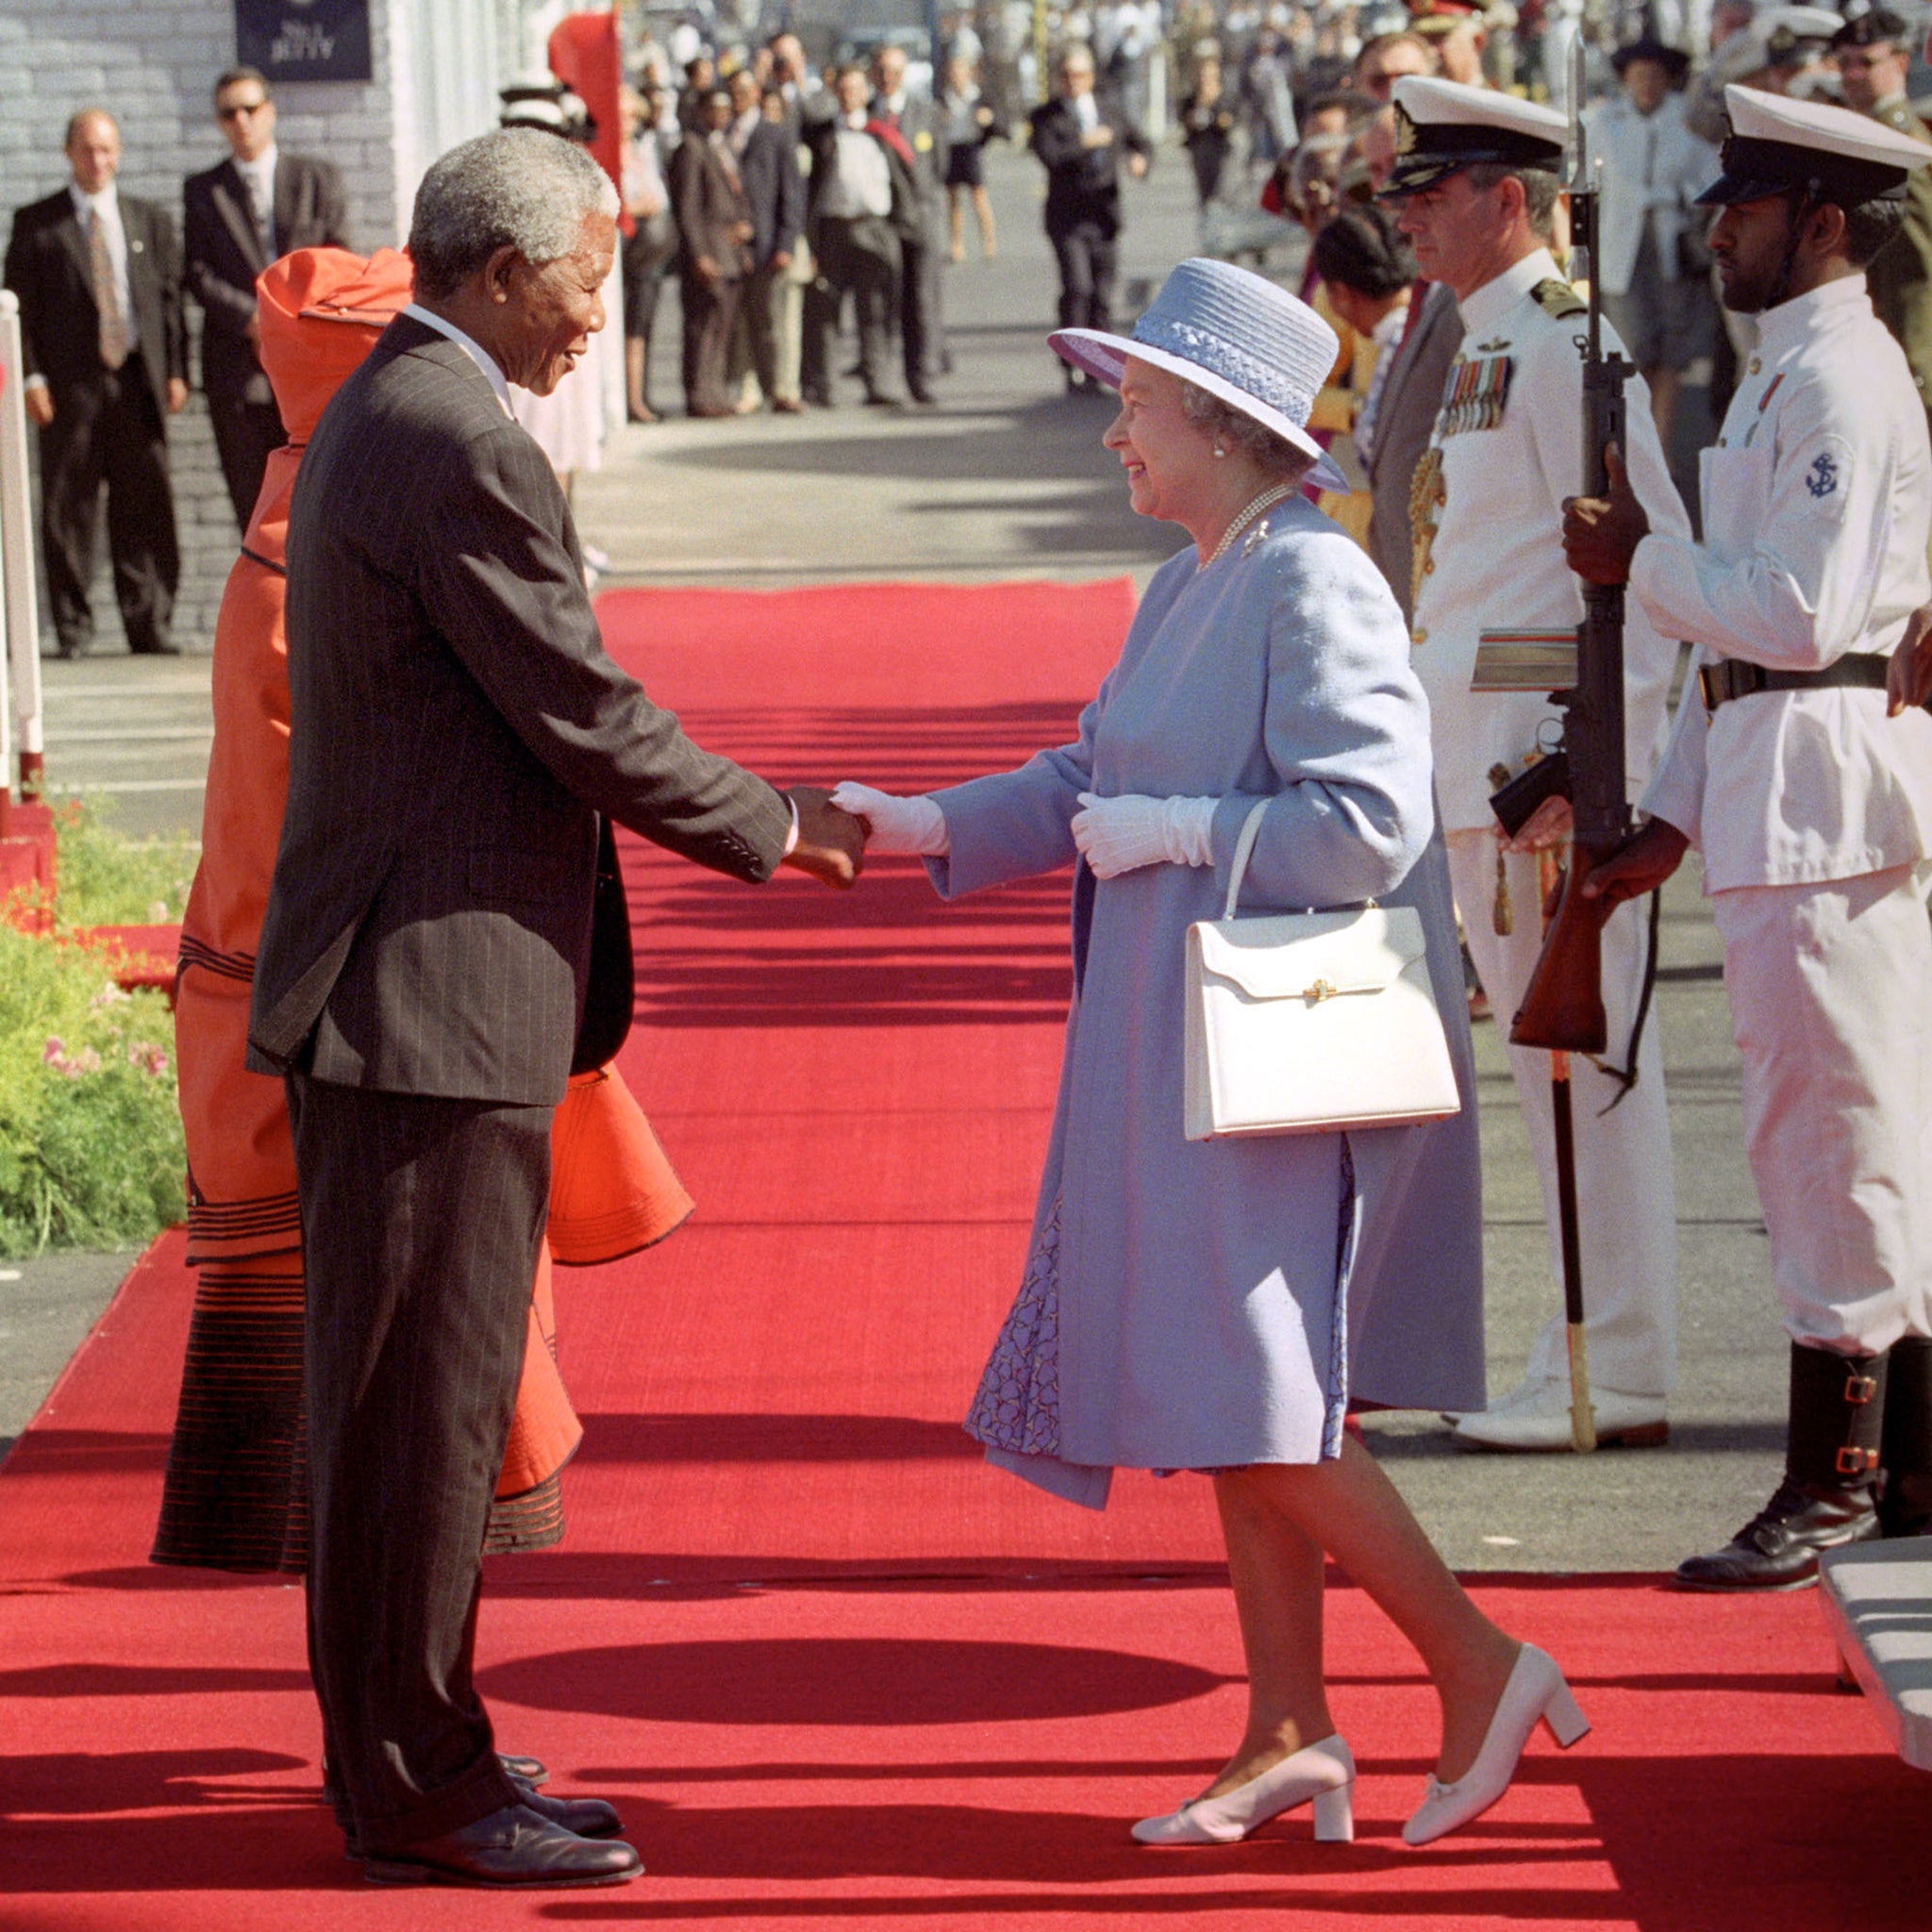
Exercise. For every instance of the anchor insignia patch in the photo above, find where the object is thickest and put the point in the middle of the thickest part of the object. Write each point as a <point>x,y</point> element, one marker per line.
<point>1821,480</point>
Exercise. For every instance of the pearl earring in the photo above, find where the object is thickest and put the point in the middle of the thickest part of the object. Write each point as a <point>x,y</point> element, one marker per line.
<point>1219,451</point>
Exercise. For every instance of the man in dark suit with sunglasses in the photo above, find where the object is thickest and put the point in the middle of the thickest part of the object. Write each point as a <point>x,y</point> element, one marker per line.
<point>256,207</point>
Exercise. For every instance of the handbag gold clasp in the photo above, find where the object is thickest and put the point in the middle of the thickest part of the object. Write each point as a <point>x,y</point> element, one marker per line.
<point>1322,989</point>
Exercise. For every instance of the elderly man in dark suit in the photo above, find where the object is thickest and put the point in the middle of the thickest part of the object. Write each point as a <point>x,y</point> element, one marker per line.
<point>1079,138</point>
<point>848,210</point>
<point>438,949</point>
<point>256,207</point>
<point>98,275</point>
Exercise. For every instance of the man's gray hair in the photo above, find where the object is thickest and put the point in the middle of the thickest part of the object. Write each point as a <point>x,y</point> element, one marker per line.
<point>516,188</point>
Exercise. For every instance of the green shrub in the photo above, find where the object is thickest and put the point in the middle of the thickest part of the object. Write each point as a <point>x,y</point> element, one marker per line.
<point>108,879</point>
<point>91,1145</point>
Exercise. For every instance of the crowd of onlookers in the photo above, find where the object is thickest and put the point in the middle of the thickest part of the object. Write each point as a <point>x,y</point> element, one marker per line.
<point>1292,126</point>
<point>783,198</point>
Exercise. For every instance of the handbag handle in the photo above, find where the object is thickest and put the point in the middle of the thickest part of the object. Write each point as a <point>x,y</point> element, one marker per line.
<point>1243,851</point>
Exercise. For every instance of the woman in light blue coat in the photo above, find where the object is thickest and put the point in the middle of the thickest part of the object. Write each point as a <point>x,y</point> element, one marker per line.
<point>1215,1306</point>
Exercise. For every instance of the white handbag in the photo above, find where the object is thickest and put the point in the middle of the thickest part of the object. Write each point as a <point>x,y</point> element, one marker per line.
<point>1311,1022</point>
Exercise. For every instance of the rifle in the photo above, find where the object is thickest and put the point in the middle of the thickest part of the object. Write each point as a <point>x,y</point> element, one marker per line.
<point>1563,1006</point>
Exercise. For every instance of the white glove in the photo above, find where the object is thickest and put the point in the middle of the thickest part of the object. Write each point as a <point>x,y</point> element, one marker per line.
<point>915,826</point>
<point>1117,835</point>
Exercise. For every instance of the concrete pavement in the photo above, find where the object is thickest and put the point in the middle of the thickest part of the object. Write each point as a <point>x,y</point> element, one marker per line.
<point>1007,478</point>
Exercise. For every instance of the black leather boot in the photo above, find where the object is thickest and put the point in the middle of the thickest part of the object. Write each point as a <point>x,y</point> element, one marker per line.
<point>1905,1501</point>
<point>1829,1493</point>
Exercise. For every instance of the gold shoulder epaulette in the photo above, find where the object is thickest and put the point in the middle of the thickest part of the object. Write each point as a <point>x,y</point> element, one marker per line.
<point>1555,297</point>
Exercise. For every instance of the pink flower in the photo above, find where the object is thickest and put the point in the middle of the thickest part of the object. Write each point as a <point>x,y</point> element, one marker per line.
<point>52,1053</point>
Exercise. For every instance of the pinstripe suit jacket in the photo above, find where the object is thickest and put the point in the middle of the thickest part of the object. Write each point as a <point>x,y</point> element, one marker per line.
<point>458,730</point>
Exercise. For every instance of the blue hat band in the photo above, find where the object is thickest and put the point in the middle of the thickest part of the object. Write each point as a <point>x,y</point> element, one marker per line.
<point>1229,360</point>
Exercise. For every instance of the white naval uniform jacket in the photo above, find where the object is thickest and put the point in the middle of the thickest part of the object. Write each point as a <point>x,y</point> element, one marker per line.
<point>1816,499</point>
<point>1511,451</point>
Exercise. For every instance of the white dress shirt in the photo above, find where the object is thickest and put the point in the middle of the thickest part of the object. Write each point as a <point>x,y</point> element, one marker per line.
<point>472,348</point>
<point>1816,502</point>
<point>1494,557</point>
<point>861,183</point>
<point>259,178</point>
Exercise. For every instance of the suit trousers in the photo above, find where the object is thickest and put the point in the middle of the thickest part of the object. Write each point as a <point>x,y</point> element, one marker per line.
<point>421,1221</point>
<point>710,314</point>
<point>1087,254</point>
<point>771,297</point>
<point>1827,989</point>
<point>921,327</point>
<point>107,431</point>
<point>860,258</point>
<point>246,435</point>
<point>1626,1183</point>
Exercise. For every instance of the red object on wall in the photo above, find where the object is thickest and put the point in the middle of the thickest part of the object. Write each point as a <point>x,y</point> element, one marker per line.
<point>26,868</point>
<point>584,56</point>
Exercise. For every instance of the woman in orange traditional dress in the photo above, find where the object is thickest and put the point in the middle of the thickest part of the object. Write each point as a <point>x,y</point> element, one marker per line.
<point>234,1497</point>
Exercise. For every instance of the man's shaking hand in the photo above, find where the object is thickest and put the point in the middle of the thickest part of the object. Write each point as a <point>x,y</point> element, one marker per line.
<point>831,844</point>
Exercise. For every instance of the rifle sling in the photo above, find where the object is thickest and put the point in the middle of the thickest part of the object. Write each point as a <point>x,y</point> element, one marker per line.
<point>1625,1075</point>
<point>1730,678</point>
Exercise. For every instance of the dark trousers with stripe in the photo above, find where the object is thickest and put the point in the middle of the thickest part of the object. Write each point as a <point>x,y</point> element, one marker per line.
<point>420,1218</point>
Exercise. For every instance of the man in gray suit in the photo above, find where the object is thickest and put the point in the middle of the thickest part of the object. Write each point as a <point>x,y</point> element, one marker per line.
<point>429,971</point>
<point>1407,401</point>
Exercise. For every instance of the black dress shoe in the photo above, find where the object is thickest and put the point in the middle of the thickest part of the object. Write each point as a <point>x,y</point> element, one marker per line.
<point>586,1817</point>
<point>155,647</point>
<point>923,396</point>
<point>527,1771</point>
<point>515,1848</point>
<point>1779,1549</point>
<point>1828,1496</point>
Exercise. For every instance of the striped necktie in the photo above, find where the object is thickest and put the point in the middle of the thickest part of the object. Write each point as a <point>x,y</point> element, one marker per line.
<point>113,340</point>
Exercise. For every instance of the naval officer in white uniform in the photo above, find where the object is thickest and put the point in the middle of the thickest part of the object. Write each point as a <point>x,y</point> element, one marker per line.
<point>1475,182</point>
<point>1812,809</point>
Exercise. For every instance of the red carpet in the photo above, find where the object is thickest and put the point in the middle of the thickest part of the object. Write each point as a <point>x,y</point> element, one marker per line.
<point>856,1088</point>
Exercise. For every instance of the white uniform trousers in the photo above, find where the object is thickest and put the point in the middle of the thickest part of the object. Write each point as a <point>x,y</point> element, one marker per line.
<point>1828,987</point>
<point>1626,1189</point>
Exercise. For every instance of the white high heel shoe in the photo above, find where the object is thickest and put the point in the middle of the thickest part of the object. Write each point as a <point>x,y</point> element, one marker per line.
<point>1322,1771</point>
<point>1535,1692</point>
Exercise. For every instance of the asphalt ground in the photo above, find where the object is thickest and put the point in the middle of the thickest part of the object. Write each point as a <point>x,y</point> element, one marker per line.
<point>1007,478</point>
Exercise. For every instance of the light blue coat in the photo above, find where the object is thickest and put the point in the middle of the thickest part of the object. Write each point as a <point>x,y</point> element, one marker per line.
<point>1200,1288</point>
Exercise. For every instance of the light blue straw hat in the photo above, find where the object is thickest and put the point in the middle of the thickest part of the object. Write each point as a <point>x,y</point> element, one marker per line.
<point>1234,334</point>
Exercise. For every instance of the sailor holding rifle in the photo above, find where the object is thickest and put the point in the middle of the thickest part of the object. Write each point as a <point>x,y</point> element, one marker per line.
<point>1475,183</point>
<point>1812,809</point>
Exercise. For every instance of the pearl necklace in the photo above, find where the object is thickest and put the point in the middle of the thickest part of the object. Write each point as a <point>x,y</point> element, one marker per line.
<point>1270,496</point>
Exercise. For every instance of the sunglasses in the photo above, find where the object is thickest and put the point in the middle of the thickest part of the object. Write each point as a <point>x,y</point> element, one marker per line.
<point>239,109</point>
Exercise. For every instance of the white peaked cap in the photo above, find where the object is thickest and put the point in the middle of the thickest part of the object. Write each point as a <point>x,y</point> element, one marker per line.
<point>1441,125</point>
<point>1818,125</point>
<point>1781,146</point>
